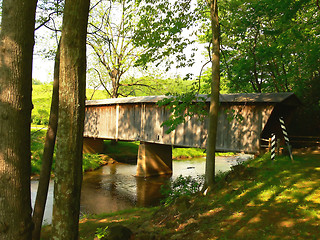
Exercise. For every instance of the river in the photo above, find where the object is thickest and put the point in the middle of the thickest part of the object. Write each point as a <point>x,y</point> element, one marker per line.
<point>114,187</point>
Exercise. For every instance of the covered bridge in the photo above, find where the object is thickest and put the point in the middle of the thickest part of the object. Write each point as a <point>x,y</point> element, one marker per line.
<point>245,121</point>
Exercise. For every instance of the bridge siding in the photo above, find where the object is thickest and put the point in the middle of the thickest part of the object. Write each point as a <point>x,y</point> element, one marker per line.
<point>141,121</point>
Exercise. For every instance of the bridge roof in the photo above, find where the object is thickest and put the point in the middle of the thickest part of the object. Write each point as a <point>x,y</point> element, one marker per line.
<point>286,98</point>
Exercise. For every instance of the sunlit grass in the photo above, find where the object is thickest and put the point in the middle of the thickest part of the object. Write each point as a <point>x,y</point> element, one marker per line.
<point>262,200</point>
<point>280,201</point>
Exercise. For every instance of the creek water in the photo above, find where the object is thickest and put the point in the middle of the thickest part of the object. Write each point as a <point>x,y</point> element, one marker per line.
<point>114,186</point>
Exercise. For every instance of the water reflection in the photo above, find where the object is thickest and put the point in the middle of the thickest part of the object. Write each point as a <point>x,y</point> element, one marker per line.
<point>114,187</point>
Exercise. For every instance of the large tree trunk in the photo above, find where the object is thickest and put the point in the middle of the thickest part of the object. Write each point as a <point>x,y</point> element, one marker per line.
<point>214,104</point>
<point>47,157</point>
<point>68,169</point>
<point>16,49</point>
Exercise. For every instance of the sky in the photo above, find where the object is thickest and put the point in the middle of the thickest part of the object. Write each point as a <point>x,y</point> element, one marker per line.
<point>43,68</point>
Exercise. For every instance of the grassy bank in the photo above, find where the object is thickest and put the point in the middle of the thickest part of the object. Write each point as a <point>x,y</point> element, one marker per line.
<point>128,151</point>
<point>90,161</point>
<point>41,99</point>
<point>257,200</point>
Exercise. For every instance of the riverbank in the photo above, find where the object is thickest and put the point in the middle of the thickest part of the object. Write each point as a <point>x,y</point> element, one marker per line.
<point>90,161</point>
<point>259,199</point>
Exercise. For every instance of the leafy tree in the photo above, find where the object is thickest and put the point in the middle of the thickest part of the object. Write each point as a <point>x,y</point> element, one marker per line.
<point>111,29</point>
<point>16,49</point>
<point>215,92</point>
<point>188,107</point>
<point>269,46</point>
<point>72,76</point>
<point>159,31</point>
<point>131,34</point>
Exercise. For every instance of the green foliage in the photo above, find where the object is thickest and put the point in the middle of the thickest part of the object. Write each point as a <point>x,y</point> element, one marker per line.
<point>181,186</point>
<point>91,162</point>
<point>101,232</point>
<point>268,46</point>
<point>183,107</point>
<point>128,35</point>
<point>159,31</point>
<point>36,82</point>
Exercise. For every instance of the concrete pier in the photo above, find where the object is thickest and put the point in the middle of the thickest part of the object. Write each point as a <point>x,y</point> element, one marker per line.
<point>154,159</point>
<point>92,145</point>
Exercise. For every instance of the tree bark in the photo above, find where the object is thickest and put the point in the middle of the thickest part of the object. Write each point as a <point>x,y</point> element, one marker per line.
<point>47,157</point>
<point>214,102</point>
<point>72,82</point>
<point>16,49</point>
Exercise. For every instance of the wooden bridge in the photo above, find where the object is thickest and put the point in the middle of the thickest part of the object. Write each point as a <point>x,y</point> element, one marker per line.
<point>245,121</point>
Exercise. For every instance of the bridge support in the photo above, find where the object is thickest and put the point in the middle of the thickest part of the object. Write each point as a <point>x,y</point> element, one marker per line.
<point>154,159</point>
<point>92,145</point>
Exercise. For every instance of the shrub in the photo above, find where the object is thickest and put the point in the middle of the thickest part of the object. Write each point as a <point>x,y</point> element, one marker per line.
<point>181,186</point>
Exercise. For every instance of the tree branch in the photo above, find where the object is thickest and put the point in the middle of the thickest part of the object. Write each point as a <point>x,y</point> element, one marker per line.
<point>100,79</point>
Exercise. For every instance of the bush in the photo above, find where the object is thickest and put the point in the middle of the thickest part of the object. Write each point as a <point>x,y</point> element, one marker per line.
<point>181,186</point>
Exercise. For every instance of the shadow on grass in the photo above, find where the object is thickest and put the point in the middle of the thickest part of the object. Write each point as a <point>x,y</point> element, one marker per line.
<point>281,202</point>
<point>262,200</point>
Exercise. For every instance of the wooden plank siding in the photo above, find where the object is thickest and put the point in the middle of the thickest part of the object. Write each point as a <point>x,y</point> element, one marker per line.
<point>240,123</point>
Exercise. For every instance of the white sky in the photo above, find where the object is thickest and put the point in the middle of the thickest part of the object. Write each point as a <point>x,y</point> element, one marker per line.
<point>43,68</point>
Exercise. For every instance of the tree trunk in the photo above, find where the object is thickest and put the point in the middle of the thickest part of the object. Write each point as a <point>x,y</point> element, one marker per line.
<point>47,157</point>
<point>214,103</point>
<point>68,170</point>
<point>16,49</point>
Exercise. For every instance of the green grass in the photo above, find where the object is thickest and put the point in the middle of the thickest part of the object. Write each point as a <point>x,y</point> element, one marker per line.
<point>37,144</point>
<point>90,161</point>
<point>41,99</point>
<point>178,153</point>
<point>256,200</point>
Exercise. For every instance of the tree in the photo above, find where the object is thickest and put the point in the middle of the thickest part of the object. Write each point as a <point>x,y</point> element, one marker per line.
<point>16,49</point>
<point>128,34</point>
<point>112,26</point>
<point>214,102</point>
<point>72,76</point>
<point>47,157</point>
<point>269,46</point>
<point>46,17</point>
